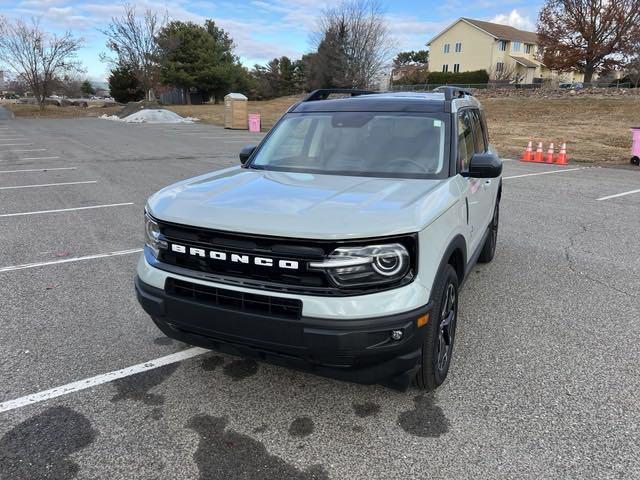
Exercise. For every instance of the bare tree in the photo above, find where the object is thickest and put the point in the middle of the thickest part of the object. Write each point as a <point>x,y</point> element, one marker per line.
<point>506,73</point>
<point>38,57</point>
<point>359,37</point>
<point>588,35</point>
<point>132,41</point>
<point>633,69</point>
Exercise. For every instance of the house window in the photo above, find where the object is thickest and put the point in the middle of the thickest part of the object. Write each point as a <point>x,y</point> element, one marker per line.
<point>458,47</point>
<point>456,68</point>
<point>515,46</point>
<point>500,67</point>
<point>445,68</point>
<point>502,45</point>
<point>528,48</point>
<point>447,47</point>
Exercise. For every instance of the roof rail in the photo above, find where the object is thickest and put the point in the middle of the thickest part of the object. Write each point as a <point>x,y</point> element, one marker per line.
<point>323,93</point>
<point>451,92</point>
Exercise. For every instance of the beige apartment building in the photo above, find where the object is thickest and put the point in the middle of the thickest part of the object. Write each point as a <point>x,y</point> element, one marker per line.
<point>505,52</point>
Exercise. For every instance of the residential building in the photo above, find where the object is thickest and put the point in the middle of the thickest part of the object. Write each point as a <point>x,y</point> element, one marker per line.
<point>505,52</point>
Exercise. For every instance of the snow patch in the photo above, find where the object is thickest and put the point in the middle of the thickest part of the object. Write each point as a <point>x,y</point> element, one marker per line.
<point>152,116</point>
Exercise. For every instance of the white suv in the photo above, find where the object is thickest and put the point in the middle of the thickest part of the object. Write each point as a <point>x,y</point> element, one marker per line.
<point>339,245</point>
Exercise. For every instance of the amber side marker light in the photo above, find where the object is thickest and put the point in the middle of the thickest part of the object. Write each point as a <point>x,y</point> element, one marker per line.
<point>422,321</point>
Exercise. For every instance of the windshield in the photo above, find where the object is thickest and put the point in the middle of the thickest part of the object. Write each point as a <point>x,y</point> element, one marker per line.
<point>380,144</point>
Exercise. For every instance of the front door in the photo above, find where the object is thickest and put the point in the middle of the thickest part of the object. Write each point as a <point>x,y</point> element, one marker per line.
<point>475,193</point>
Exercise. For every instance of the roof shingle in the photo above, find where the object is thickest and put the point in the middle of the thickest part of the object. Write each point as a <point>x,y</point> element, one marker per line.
<point>504,32</point>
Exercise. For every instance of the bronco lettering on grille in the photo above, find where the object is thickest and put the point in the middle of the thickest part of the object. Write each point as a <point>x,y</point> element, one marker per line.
<point>234,257</point>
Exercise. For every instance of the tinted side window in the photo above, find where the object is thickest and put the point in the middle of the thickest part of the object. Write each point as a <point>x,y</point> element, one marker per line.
<point>483,121</point>
<point>478,132</point>
<point>465,141</point>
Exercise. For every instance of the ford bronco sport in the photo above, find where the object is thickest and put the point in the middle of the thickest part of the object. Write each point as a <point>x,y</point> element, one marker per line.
<point>339,244</point>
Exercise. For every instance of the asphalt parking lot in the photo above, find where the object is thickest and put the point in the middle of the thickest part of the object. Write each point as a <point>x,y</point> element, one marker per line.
<point>544,382</point>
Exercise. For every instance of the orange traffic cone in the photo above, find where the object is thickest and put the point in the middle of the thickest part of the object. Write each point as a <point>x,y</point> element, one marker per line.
<point>538,155</point>
<point>549,156</point>
<point>561,159</point>
<point>527,156</point>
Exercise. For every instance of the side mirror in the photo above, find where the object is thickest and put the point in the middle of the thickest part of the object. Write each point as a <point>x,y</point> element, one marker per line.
<point>246,152</point>
<point>484,165</point>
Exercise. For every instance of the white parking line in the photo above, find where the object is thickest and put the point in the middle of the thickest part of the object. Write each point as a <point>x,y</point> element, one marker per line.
<point>100,379</point>
<point>47,185</point>
<point>59,210</point>
<point>39,158</point>
<point>14,144</point>
<point>38,170</point>
<point>28,150</point>
<point>619,195</point>
<point>24,266</point>
<point>544,173</point>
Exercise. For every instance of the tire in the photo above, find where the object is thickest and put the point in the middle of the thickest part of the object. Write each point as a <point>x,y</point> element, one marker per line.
<point>489,248</point>
<point>441,330</point>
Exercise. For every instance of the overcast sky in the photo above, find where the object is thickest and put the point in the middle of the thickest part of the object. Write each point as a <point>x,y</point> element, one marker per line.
<point>265,29</point>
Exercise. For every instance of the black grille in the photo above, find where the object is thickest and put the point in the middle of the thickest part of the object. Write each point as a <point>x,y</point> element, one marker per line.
<point>302,280</point>
<point>237,301</point>
<point>249,274</point>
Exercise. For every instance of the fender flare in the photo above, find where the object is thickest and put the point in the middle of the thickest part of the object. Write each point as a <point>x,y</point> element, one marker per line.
<point>459,245</point>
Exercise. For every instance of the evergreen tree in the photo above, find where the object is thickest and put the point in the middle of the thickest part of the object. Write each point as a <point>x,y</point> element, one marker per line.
<point>124,85</point>
<point>196,57</point>
<point>87,89</point>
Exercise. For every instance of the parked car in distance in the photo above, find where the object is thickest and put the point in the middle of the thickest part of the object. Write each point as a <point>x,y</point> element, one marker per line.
<point>571,86</point>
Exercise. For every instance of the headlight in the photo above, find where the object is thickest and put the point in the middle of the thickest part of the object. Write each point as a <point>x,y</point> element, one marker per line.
<point>373,264</point>
<point>152,235</point>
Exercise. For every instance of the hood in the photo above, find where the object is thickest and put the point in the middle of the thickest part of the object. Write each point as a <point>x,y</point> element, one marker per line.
<point>302,205</point>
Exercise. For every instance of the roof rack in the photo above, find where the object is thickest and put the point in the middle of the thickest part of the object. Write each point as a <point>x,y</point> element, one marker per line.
<point>451,92</point>
<point>323,93</point>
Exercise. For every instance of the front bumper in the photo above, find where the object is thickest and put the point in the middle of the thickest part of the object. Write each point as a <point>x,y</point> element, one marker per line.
<point>358,350</point>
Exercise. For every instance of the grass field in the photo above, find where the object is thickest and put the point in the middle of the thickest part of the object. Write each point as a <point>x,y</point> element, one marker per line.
<point>595,128</point>
<point>52,111</point>
<point>269,110</point>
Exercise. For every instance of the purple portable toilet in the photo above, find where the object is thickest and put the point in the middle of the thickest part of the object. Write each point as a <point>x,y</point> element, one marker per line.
<point>635,147</point>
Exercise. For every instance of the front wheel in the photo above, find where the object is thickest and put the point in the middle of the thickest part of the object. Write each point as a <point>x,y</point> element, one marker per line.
<point>437,348</point>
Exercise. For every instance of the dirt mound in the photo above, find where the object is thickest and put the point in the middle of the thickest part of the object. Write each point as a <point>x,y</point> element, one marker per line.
<point>134,107</point>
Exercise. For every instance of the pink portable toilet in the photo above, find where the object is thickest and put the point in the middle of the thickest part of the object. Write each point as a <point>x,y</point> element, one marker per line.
<point>254,122</point>
<point>635,147</point>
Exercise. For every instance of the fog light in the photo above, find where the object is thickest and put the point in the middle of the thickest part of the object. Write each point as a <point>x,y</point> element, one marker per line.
<point>396,334</point>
